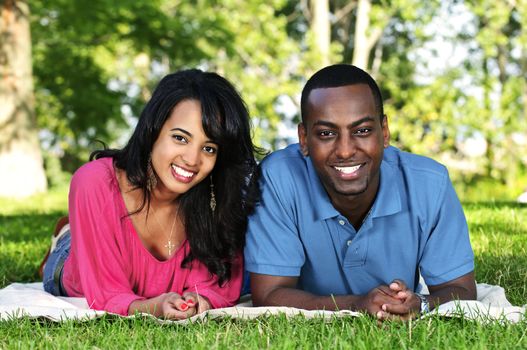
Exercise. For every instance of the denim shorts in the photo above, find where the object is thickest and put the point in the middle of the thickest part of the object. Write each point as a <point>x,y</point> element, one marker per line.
<point>52,275</point>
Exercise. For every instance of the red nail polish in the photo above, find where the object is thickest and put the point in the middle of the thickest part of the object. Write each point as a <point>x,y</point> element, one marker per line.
<point>183,307</point>
<point>190,303</point>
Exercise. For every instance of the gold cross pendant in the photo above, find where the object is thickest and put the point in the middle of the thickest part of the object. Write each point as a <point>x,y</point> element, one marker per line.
<point>169,246</point>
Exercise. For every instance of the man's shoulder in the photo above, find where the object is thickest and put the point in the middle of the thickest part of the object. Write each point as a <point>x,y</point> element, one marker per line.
<point>413,163</point>
<point>286,158</point>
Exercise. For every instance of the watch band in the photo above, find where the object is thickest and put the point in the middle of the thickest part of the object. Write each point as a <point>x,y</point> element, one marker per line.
<point>425,304</point>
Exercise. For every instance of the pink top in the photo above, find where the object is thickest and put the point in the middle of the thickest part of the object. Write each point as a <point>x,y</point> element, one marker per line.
<point>108,264</point>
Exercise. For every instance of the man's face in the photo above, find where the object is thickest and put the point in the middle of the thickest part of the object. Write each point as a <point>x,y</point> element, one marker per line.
<point>343,135</point>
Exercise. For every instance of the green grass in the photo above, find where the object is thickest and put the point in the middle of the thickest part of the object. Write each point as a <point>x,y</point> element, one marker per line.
<point>498,235</point>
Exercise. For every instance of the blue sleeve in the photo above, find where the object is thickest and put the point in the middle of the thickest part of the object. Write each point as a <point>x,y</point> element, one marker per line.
<point>447,254</point>
<point>272,245</point>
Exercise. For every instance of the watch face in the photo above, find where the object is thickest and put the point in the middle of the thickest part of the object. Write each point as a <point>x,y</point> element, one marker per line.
<point>425,305</point>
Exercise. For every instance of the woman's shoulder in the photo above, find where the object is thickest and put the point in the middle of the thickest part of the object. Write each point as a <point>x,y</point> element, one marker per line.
<point>94,175</point>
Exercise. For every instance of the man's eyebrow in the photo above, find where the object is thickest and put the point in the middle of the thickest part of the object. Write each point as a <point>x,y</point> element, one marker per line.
<point>324,123</point>
<point>362,120</point>
<point>352,125</point>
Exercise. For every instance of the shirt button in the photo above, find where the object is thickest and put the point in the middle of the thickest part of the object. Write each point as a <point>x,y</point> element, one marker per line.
<point>348,242</point>
<point>342,222</point>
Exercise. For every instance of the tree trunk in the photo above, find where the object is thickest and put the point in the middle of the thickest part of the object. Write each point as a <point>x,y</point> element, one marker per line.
<point>21,166</point>
<point>365,37</point>
<point>487,118</point>
<point>361,52</point>
<point>320,28</point>
<point>524,75</point>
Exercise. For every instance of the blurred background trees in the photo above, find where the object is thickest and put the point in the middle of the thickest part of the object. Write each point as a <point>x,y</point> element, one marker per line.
<point>453,73</point>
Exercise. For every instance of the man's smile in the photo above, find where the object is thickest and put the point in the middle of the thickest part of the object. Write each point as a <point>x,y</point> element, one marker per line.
<point>348,169</point>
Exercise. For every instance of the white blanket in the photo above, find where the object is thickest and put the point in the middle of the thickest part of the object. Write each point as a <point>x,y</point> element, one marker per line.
<point>29,300</point>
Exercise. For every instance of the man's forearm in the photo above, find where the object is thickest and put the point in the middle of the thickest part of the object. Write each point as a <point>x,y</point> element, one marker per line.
<point>445,295</point>
<point>291,297</point>
<point>463,288</point>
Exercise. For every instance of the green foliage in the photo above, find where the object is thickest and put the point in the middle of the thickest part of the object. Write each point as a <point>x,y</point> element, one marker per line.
<point>93,57</point>
<point>95,63</point>
<point>481,188</point>
<point>259,61</point>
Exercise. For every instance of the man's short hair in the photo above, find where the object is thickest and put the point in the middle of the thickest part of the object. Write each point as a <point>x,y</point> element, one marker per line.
<point>340,75</point>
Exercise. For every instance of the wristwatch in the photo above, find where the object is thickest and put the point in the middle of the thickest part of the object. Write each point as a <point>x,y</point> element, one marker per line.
<point>425,305</point>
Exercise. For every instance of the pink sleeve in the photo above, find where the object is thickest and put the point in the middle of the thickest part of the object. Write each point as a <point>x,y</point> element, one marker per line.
<point>200,281</point>
<point>95,221</point>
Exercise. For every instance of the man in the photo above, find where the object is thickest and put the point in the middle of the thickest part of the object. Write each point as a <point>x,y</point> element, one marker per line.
<point>348,222</point>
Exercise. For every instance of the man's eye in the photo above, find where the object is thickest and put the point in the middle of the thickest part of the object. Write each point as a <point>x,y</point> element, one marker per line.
<point>210,149</point>
<point>179,138</point>
<point>326,133</point>
<point>363,131</point>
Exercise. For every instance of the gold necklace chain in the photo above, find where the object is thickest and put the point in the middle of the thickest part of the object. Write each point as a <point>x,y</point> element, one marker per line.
<point>169,244</point>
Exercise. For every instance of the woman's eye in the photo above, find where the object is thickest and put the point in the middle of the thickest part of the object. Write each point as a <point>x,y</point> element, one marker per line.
<point>179,138</point>
<point>209,149</point>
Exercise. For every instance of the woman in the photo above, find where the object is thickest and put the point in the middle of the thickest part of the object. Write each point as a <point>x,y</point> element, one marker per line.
<point>159,226</point>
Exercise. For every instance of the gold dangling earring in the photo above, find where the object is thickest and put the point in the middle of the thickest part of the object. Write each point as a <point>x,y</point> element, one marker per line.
<point>212,196</point>
<point>151,181</point>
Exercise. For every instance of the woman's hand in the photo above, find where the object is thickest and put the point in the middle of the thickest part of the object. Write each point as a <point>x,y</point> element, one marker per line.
<point>175,307</point>
<point>198,302</point>
<point>171,306</point>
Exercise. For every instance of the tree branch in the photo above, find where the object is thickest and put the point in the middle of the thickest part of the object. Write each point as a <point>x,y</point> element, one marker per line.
<point>344,11</point>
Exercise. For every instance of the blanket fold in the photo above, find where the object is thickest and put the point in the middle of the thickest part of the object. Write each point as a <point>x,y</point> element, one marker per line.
<point>30,300</point>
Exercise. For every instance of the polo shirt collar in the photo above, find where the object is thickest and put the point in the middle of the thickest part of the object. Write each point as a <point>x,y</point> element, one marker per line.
<point>387,202</point>
<point>321,204</point>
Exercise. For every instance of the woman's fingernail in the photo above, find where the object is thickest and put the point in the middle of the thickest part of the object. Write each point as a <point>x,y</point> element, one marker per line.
<point>190,303</point>
<point>183,307</point>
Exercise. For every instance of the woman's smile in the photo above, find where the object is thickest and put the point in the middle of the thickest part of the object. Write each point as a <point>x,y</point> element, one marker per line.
<point>181,174</point>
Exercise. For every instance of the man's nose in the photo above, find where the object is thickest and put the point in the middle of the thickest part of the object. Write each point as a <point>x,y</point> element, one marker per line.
<point>345,147</point>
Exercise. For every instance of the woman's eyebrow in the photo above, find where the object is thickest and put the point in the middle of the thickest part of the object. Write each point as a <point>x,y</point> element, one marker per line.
<point>182,130</point>
<point>190,135</point>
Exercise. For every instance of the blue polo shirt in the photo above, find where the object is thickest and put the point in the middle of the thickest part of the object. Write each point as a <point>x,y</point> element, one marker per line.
<point>416,225</point>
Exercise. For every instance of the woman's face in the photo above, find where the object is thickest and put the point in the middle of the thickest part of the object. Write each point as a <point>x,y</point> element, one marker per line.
<point>183,155</point>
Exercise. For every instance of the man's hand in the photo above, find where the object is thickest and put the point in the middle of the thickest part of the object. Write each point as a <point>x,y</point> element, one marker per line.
<point>462,288</point>
<point>376,300</point>
<point>408,306</point>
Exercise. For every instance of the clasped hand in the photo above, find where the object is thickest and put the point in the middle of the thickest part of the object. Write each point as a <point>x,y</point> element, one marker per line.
<point>179,307</point>
<point>393,301</point>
